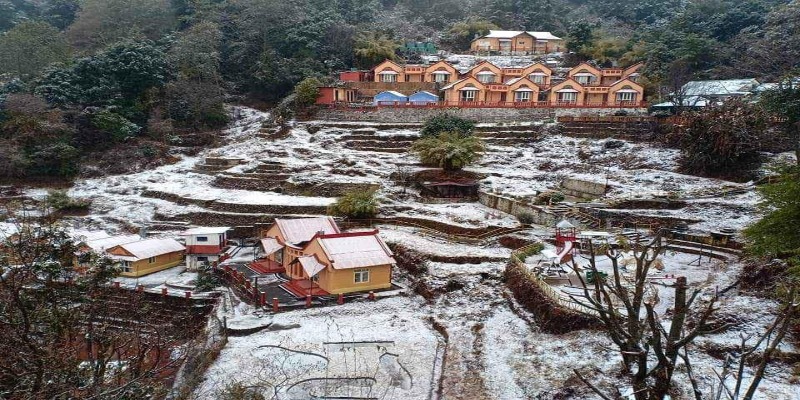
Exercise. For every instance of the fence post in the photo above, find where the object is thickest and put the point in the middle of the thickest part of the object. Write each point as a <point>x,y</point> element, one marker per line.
<point>308,301</point>
<point>340,300</point>
<point>275,304</point>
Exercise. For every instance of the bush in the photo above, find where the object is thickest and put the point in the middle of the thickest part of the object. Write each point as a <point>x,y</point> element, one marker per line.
<point>549,197</point>
<point>57,159</point>
<point>525,218</point>
<point>447,123</point>
<point>723,141</point>
<point>206,280</point>
<point>306,92</point>
<point>115,125</point>
<point>356,204</point>
<point>60,200</point>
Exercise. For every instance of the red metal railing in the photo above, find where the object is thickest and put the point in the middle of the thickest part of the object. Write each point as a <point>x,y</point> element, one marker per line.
<point>490,104</point>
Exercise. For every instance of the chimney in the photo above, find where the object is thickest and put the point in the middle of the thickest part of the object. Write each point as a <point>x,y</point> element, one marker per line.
<point>320,233</point>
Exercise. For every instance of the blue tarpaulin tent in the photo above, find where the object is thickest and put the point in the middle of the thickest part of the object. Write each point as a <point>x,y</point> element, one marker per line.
<point>389,97</point>
<point>423,98</point>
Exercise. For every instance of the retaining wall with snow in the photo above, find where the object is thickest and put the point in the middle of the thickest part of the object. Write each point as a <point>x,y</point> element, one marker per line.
<point>516,208</point>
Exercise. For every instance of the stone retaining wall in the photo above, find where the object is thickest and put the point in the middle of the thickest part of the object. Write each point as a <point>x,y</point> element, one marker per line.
<point>516,207</point>
<point>583,188</point>
<point>389,114</point>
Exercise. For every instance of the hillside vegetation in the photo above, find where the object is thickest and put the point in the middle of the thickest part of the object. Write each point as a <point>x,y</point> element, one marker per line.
<point>82,77</point>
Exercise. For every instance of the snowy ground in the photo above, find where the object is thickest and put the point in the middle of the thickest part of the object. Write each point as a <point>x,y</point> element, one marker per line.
<point>494,351</point>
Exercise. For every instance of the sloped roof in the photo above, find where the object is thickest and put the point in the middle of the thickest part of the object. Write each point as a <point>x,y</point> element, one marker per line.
<point>356,250</point>
<point>392,92</point>
<point>270,245</point>
<point>100,245</point>
<point>726,87</point>
<point>454,83</point>
<point>299,230</point>
<point>148,248</point>
<point>544,35</point>
<point>424,94</point>
<point>310,265</point>
<point>206,230</point>
<point>83,235</point>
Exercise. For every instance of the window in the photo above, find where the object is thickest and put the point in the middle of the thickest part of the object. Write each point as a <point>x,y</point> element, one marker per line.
<point>126,266</point>
<point>626,97</point>
<point>523,96</point>
<point>202,259</point>
<point>151,260</point>
<point>536,78</point>
<point>202,238</point>
<point>486,78</point>
<point>361,275</point>
<point>389,78</point>
<point>583,80</point>
<point>439,77</point>
<point>567,97</point>
<point>468,95</point>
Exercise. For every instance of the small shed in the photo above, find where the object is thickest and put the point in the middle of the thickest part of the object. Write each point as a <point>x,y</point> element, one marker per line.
<point>423,97</point>
<point>389,97</point>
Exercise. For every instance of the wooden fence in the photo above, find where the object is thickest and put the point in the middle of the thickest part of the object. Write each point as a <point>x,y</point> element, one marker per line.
<point>517,257</point>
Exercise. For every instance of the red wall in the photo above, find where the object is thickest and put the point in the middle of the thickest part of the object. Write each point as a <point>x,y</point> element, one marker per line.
<point>352,76</point>
<point>325,95</point>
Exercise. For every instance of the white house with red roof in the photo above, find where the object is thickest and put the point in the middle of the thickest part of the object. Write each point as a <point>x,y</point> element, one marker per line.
<point>204,245</point>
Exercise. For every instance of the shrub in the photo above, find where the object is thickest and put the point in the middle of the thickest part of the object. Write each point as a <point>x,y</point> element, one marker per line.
<point>355,204</point>
<point>449,150</point>
<point>549,197</point>
<point>447,123</point>
<point>57,159</point>
<point>723,141</point>
<point>60,200</point>
<point>306,92</point>
<point>206,280</point>
<point>526,218</point>
<point>115,125</point>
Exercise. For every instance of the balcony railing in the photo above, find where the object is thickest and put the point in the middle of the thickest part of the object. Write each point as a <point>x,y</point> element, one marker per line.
<point>504,104</point>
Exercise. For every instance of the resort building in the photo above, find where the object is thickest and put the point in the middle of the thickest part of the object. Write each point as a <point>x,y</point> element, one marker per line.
<point>205,245</point>
<point>517,43</point>
<point>147,256</point>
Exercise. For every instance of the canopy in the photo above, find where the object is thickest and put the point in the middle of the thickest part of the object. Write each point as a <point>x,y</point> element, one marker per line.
<point>486,73</point>
<point>388,73</point>
<point>627,91</point>
<point>524,90</point>
<point>441,72</point>
<point>310,265</point>
<point>469,89</point>
<point>270,245</point>
<point>567,91</point>
<point>583,74</point>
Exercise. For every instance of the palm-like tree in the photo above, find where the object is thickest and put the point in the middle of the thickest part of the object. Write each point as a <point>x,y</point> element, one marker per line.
<point>449,151</point>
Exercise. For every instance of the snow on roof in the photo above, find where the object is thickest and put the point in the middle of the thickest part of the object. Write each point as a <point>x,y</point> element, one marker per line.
<point>512,34</point>
<point>564,224</point>
<point>392,92</point>
<point>454,83</point>
<point>424,94</point>
<point>206,230</point>
<point>503,34</point>
<point>270,245</point>
<point>688,101</point>
<point>299,230</point>
<point>149,248</point>
<point>356,250</point>
<point>100,245</point>
<point>85,236</point>
<point>544,35</point>
<point>310,265</point>
<point>720,87</point>
<point>513,81</point>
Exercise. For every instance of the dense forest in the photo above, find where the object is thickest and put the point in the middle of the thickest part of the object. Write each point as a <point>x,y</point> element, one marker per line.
<point>80,77</point>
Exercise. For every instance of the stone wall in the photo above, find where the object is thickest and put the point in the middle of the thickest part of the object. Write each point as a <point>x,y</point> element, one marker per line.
<point>516,207</point>
<point>581,188</point>
<point>507,115</point>
<point>418,115</point>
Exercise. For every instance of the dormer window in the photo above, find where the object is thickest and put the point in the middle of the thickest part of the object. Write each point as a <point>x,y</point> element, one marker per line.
<point>584,77</point>
<point>537,77</point>
<point>388,76</point>
<point>486,77</point>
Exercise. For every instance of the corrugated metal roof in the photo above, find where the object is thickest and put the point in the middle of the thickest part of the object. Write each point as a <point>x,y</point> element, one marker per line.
<point>206,230</point>
<point>270,245</point>
<point>346,252</point>
<point>149,248</point>
<point>544,35</point>
<point>100,245</point>
<point>720,87</point>
<point>299,230</point>
<point>310,265</point>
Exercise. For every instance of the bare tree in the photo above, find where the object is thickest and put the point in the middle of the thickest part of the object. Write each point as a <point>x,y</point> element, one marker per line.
<point>625,304</point>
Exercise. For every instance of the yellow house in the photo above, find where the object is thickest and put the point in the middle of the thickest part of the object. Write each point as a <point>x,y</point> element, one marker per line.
<point>147,256</point>
<point>342,263</point>
<point>283,241</point>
